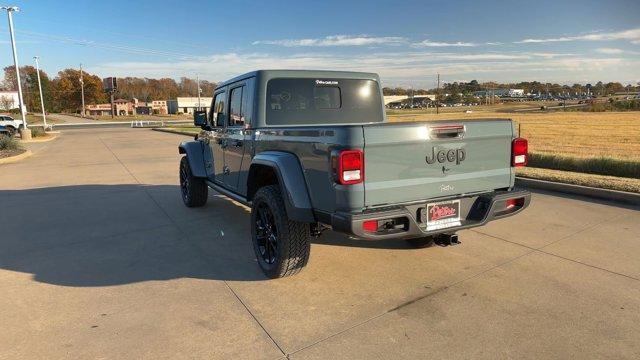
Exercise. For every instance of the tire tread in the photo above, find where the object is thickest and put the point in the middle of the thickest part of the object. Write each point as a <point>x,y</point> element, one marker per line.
<point>296,242</point>
<point>198,190</point>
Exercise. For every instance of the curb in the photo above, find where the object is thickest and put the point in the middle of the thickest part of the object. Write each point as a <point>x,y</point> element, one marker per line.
<point>16,158</point>
<point>97,124</point>
<point>173,131</point>
<point>36,140</point>
<point>624,197</point>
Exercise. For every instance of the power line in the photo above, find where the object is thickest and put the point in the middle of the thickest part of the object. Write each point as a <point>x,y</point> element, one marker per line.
<point>107,46</point>
<point>100,30</point>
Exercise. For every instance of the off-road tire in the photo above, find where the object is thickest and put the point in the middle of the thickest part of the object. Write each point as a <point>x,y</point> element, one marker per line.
<point>12,130</point>
<point>293,237</point>
<point>193,189</point>
<point>422,242</point>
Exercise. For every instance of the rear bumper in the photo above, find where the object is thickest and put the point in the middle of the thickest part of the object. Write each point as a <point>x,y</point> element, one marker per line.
<point>474,211</point>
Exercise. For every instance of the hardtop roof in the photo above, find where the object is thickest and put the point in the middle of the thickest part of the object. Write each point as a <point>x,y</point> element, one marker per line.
<point>270,74</point>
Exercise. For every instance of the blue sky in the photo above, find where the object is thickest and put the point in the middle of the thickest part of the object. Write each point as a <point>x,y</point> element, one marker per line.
<point>406,42</point>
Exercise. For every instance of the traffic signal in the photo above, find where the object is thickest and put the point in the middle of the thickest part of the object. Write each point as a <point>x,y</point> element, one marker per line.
<point>110,84</point>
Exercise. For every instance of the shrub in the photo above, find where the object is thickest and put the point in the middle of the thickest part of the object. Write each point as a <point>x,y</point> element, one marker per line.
<point>591,165</point>
<point>37,131</point>
<point>622,105</point>
<point>9,143</point>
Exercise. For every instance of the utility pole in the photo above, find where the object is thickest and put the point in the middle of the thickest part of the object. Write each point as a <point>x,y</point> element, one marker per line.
<point>44,116</point>
<point>82,90</point>
<point>113,106</point>
<point>10,10</point>
<point>198,88</point>
<point>438,95</point>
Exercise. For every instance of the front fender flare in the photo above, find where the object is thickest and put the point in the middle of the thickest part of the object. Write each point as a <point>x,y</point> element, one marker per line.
<point>195,155</point>
<point>292,183</point>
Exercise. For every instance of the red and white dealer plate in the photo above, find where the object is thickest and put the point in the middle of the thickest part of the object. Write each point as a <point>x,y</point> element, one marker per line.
<point>443,215</point>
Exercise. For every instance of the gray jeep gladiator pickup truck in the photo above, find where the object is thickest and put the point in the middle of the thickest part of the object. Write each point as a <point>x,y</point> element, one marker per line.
<point>312,150</point>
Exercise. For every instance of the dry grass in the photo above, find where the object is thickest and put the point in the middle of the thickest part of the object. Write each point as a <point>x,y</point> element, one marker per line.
<point>579,134</point>
<point>568,177</point>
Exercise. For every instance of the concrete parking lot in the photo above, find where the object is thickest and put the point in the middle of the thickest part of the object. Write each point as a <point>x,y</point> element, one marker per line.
<point>100,259</point>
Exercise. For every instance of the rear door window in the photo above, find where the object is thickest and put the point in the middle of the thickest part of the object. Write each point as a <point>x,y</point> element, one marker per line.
<point>236,112</point>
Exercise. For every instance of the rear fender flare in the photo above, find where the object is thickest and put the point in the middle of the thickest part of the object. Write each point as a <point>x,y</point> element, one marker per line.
<point>291,180</point>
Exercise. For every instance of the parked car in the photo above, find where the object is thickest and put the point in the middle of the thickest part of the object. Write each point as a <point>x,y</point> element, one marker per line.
<point>11,124</point>
<point>312,150</point>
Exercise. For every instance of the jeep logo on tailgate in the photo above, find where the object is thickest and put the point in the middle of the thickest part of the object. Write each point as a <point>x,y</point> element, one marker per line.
<point>452,155</point>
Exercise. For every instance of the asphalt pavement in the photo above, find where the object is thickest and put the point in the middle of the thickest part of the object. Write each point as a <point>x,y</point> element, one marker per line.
<point>100,259</point>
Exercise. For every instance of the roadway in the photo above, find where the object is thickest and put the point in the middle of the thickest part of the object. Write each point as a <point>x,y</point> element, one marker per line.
<point>100,259</point>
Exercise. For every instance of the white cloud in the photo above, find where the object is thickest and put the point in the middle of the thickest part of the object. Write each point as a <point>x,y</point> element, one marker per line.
<point>632,35</point>
<point>609,51</point>
<point>429,43</point>
<point>336,40</point>
<point>396,68</point>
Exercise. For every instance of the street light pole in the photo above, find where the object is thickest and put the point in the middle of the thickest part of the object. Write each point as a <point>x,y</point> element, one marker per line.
<point>44,116</point>
<point>10,10</point>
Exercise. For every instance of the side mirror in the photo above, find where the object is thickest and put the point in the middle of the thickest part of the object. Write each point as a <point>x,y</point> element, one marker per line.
<point>200,118</point>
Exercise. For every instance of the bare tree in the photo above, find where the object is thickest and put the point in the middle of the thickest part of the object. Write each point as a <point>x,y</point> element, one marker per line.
<point>6,102</point>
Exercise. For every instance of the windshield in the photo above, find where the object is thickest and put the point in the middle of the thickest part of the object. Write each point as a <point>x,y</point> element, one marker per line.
<point>322,101</point>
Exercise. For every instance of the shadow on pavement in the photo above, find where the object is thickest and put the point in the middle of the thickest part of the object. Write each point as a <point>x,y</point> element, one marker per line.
<point>101,235</point>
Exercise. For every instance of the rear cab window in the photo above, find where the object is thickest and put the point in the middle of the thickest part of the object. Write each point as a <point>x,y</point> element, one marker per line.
<point>308,101</point>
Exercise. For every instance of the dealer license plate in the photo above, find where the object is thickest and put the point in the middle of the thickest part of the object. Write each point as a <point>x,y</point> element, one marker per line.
<point>443,215</point>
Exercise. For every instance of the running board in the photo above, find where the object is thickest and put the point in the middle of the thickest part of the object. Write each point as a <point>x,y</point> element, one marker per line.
<point>239,198</point>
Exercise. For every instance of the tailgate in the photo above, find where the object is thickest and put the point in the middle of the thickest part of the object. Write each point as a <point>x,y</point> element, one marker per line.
<point>415,161</point>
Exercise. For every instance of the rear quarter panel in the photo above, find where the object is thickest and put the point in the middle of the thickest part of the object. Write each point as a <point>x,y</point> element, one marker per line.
<point>313,147</point>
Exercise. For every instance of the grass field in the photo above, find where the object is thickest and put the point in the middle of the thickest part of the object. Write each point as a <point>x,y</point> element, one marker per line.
<point>578,178</point>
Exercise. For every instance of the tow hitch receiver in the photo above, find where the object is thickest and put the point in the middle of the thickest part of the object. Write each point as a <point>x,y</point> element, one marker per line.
<point>447,239</point>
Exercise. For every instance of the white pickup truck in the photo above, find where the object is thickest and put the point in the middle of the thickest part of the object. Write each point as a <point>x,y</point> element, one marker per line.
<point>11,124</point>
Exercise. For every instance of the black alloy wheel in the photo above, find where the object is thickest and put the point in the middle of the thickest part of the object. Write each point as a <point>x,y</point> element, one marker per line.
<point>266,234</point>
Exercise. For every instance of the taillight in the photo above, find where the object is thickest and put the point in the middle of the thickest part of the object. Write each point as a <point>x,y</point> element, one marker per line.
<point>370,226</point>
<point>511,203</point>
<point>350,167</point>
<point>519,152</point>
